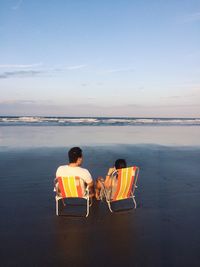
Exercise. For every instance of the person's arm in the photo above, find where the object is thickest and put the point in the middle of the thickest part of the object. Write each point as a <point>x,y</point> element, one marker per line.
<point>87,177</point>
<point>91,188</point>
<point>90,184</point>
<point>56,186</point>
<point>108,180</point>
<point>57,175</point>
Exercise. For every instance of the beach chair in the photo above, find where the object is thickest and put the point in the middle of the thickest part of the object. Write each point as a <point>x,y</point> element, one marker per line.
<point>125,185</point>
<point>72,187</point>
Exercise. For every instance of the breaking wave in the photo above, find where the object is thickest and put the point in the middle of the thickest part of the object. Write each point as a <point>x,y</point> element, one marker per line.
<point>94,121</point>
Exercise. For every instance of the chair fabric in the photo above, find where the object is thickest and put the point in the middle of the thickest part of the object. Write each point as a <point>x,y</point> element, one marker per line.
<point>71,187</point>
<point>126,183</point>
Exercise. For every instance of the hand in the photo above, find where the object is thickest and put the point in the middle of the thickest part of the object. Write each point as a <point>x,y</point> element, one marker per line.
<point>110,171</point>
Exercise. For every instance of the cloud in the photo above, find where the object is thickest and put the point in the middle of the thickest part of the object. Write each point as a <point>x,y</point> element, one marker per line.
<point>171,97</point>
<point>29,107</point>
<point>76,67</point>
<point>30,70</point>
<point>192,17</point>
<point>23,69</point>
<point>20,66</point>
<point>19,74</point>
<point>84,84</point>
<point>14,102</point>
<point>100,83</point>
<point>193,55</point>
<point>119,70</point>
<point>17,5</point>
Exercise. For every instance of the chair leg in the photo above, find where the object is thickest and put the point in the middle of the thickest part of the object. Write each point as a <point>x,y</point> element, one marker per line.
<point>90,202</point>
<point>134,201</point>
<point>57,207</point>
<point>135,204</point>
<point>88,207</point>
<point>109,206</point>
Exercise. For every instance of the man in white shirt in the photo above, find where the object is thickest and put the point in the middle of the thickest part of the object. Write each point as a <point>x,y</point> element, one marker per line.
<point>74,168</point>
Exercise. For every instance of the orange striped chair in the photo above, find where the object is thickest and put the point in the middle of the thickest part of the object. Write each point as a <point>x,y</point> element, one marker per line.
<point>126,183</point>
<point>71,187</point>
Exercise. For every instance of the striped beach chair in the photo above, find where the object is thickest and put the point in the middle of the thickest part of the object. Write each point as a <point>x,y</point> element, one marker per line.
<point>71,187</point>
<point>126,183</point>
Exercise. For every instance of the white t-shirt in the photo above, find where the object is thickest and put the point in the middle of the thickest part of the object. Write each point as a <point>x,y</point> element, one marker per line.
<point>66,170</point>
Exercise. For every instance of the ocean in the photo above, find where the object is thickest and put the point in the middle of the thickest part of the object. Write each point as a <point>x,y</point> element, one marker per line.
<point>95,121</point>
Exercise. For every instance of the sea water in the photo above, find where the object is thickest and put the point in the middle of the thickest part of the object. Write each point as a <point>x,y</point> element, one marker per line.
<point>95,121</point>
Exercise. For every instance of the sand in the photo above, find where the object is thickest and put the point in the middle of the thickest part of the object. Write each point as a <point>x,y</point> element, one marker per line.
<point>162,231</point>
<point>60,136</point>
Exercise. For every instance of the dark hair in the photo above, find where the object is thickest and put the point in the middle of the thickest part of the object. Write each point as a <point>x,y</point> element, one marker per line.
<point>120,164</point>
<point>74,153</point>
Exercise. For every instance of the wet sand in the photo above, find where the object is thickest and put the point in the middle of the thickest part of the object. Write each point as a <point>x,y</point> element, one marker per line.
<point>162,231</point>
<point>60,136</point>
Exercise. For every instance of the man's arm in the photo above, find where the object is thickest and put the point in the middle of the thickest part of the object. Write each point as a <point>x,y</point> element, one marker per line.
<point>91,188</point>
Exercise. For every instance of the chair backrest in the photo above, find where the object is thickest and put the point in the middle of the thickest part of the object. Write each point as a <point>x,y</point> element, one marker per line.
<point>71,186</point>
<point>126,182</point>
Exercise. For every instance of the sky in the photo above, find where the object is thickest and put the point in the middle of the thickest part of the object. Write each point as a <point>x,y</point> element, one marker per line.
<point>100,58</point>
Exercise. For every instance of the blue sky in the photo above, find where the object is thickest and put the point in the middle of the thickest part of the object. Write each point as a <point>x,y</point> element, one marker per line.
<point>100,58</point>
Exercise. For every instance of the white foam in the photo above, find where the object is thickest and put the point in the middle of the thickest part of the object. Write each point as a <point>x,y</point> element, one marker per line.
<point>32,120</point>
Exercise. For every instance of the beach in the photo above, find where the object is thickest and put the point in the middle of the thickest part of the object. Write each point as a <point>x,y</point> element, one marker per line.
<point>162,231</point>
